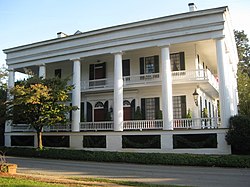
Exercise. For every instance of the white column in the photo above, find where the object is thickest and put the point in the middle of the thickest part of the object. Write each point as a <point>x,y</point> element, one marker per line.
<point>118,93</point>
<point>167,102</point>
<point>225,111</point>
<point>42,71</point>
<point>11,84</point>
<point>76,95</point>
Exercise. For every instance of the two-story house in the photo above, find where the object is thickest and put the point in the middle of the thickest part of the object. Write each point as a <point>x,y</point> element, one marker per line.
<point>160,85</point>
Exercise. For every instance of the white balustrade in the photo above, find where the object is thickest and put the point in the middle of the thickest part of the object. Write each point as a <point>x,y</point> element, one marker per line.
<point>102,125</point>
<point>58,128</point>
<point>141,79</point>
<point>196,123</point>
<point>153,78</point>
<point>22,128</point>
<point>142,124</point>
<point>187,123</point>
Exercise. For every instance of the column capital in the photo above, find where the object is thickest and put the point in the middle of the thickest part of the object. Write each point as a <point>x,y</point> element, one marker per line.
<point>220,37</point>
<point>43,64</point>
<point>75,59</point>
<point>10,69</point>
<point>118,53</point>
<point>164,46</point>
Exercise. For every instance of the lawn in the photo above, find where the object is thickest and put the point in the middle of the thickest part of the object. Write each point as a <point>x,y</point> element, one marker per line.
<point>22,182</point>
<point>30,181</point>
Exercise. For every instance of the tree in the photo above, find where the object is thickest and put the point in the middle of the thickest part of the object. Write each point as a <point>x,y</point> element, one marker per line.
<point>3,95</point>
<point>238,134</point>
<point>243,73</point>
<point>40,102</point>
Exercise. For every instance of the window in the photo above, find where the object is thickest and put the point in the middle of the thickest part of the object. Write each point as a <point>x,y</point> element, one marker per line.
<point>97,71</point>
<point>58,73</point>
<point>149,64</point>
<point>177,61</point>
<point>179,107</point>
<point>150,108</point>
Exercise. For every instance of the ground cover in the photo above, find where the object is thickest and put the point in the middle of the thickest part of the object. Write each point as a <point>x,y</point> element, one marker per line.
<point>49,181</point>
<point>238,161</point>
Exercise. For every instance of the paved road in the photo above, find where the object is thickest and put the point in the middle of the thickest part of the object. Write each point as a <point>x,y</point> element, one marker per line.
<point>192,176</point>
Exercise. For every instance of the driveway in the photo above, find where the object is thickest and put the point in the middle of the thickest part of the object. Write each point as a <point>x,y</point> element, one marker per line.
<point>157,174</point>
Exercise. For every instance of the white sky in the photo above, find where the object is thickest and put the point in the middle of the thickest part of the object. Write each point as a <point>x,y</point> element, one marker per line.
<point>28,21</point>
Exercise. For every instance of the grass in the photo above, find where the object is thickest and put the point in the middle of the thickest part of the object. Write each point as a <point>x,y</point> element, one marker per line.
<point>121,182</point>
<point>12,181</point>
<point>19,182</point>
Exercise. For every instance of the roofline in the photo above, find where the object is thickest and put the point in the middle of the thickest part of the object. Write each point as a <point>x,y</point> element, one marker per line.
<point>120,27</point>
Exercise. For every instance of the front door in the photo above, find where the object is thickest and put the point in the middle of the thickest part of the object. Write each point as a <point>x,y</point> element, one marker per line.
<point>127,113</point>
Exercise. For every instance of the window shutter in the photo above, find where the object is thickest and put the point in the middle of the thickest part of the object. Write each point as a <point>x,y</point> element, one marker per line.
<point>89,112</point>
<point>157,108</point>
<point>182,60</point>
<point>70,114</point>
<point>133,108</point>
<point>156,63</point>
<point>104,69</point>
<point>126,67</point>
<point>143,108</point>
<point>142,65</point>
<point>91,71</point>
<point>82,112</point>
<point>183,107</point>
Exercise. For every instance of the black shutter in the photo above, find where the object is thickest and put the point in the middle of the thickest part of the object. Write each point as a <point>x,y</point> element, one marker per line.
<point>133,108</point>
<point>126,67</point>
<point>157,108</point>
<point>142,65</point>
<point>156,63</point>
<point>183,107</point>
<point>104,69</point>
<point>182,61</point>
<point>143,112</point>
<point>89,112</point>
<point>82,112</point>
<point>70,114</point>
<point>91,71</point>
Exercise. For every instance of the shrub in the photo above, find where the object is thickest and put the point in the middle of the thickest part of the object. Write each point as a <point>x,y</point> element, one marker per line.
<point>238,135</point>
<point>240,161</point>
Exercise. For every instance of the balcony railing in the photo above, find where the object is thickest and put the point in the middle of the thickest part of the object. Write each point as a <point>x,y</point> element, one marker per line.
<point>141,79</point>
<point>142,124</point>
<point>153,79</point>
<point>196,123</point>
<point>187,123</point>
<point>95,126</point>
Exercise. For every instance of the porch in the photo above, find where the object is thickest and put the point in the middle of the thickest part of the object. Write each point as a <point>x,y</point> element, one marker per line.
<point>186,123</point>
<point>184,76</point>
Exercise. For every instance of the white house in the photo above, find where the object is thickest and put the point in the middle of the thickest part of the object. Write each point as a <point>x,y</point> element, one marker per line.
<point>160,85</point>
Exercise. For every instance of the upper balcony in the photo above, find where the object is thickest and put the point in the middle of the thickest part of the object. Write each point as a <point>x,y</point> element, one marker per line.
<point>202,77</point>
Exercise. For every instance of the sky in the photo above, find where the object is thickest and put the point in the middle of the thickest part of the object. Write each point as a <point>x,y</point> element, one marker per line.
<point>28,21</point>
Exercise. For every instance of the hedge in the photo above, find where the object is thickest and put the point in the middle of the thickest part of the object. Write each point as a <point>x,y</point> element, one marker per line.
<point>239,161</point>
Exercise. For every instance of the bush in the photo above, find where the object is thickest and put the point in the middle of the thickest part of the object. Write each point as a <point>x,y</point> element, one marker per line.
<point>238,135</point>
<point>239,161</point>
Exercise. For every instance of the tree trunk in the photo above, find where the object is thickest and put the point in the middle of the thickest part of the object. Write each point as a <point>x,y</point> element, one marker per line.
<point>39,140</point>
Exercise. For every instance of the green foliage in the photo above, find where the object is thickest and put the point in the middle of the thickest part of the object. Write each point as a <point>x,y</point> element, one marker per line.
<point>138,114</point>
<point>14,182</point>
<point>241,161</point>
<point>238,135</point>
<point>40,102</point>
<point>3,95</point>
<point>159,114</point>
<point>243,73</point>
<point>204,113</point>
<point>189,114</point>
